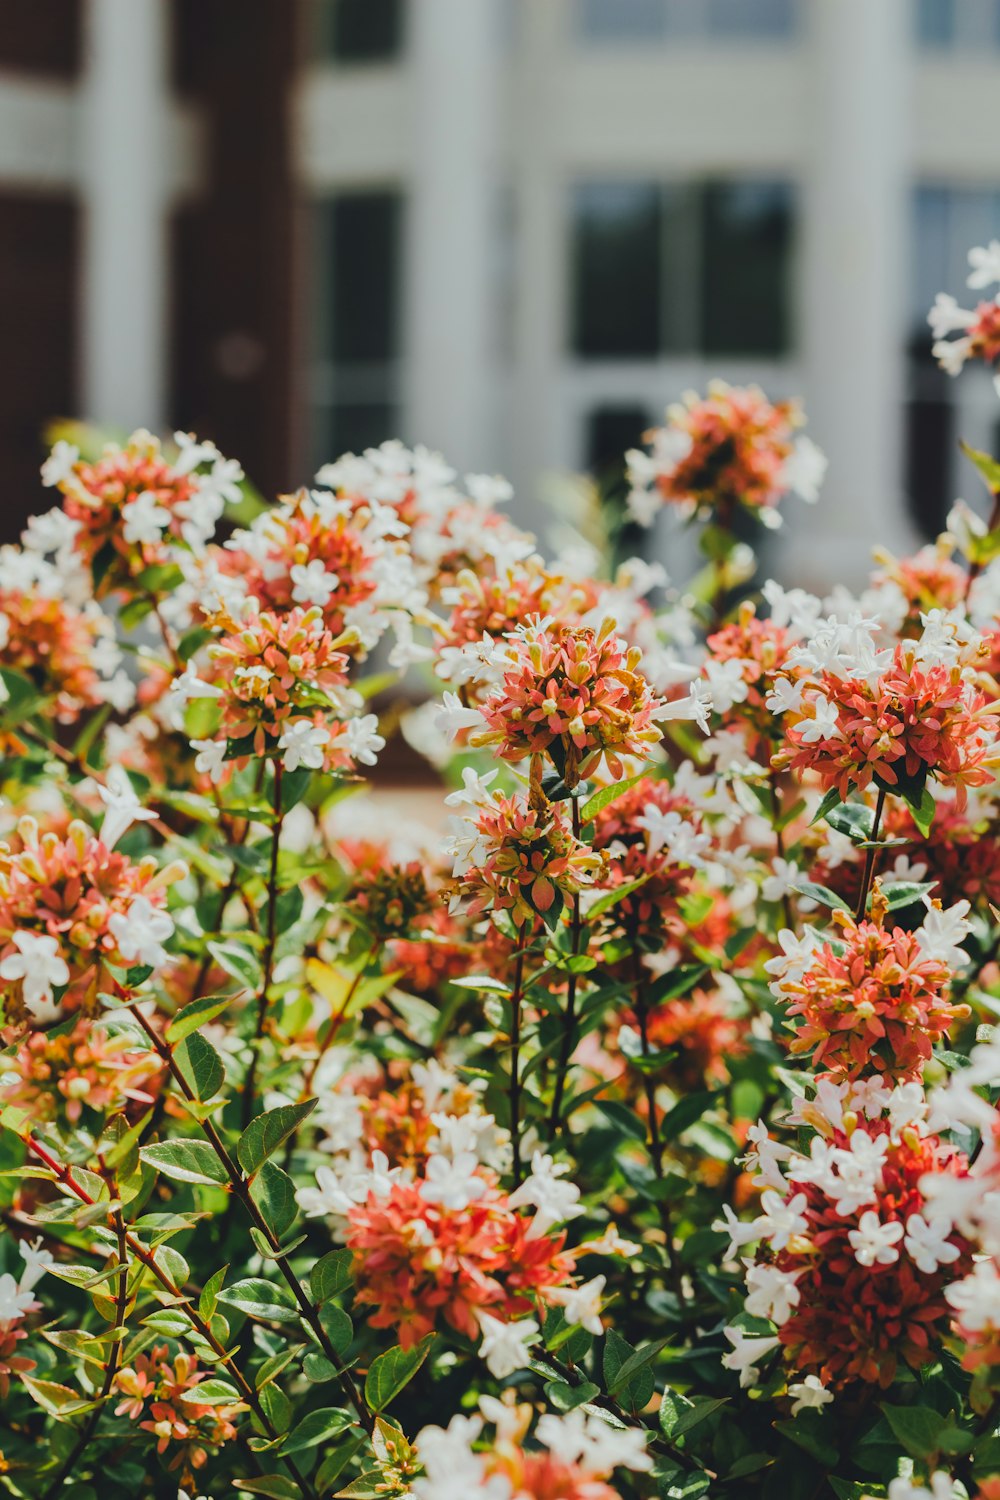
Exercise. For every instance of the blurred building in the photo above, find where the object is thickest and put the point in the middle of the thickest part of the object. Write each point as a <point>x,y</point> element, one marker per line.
<point>511,229</point>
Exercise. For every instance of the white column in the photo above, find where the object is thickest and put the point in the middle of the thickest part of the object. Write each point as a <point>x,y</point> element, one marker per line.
<point>451,342</point>
<point>124,179</point>
<point>856,194</point>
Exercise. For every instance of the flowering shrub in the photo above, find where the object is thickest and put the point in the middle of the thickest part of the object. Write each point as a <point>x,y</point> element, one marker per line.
<point>634,1134</point>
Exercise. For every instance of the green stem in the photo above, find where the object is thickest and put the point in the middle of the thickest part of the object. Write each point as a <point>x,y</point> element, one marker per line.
<point>569,1015</point>
<point>870,853</point>
<point>270,943</point>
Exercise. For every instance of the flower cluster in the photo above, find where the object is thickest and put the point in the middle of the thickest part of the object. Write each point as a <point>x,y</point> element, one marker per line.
<point>728,449</point>
<point>979,328</point>
<point>163,1393</point>
<point>71,910</point>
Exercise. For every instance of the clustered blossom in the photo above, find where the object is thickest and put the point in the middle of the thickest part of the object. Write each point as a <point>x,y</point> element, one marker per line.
<point>71,909</point>
<point>571,1456</point>
<point>875,998</point>
<point>854,712</point>
<point>511,855</point>
<point>162,1392</point>
<point>730,448</point>
<point>575,696</point>
<point>315,550</point>
<point>61,1075</point>
<point>739,668</point>
<point>651,834</point>
<point>978,328</point>
<point>133,507</point>
<point>17,1303</point>
<point>856,1261</point>
<point>279,685</point>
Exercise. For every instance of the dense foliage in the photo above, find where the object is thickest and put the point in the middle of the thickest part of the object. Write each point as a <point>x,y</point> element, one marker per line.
<point>633,1136</point>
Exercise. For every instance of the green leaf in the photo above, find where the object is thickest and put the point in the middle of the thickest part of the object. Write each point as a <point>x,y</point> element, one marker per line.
<point>193,640</point>
<point>265,1134</point>
<point>677,982</point>
<point>332,1274</point>
<point>918,1428</point>
<point>274,1194</point>
<point>564,1397</point>
<point>611,898</point>
<point>604,798</point>
<point>625,1120</point>
<point>900,893</point>
<point>196,1014</point>
<point>482,982</point>
<point>57,1400</point>
<point>820,893</point>
<point>700,1408</point>
<point>212,1392</point>
<point>210,1292</point>
<point>393,1370</point>
<point>316,1427</point>
<point>337,1326</point>
<point>987,466</point>
<point>274,1485</point>
<point>852,818</point>
<point>636,1362</point>
<point>830,801</point>
<point>813,1435</point>
<point>922,808</point>
<point>201,1066</point>
<point>237,961</point>
<point>260,1299</point>
<point>185,1161</point>
<point>684,1113</point>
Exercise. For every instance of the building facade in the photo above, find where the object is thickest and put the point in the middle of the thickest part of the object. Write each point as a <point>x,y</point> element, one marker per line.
<point>511,229</point>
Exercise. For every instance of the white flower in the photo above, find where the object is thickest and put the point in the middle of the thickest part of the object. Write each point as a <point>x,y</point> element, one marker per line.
<point>947,317</point>
<point>771,1293</point>
<point>748,1350</point>
<point>780,1221</point>
<point>305,745</point>
<point>211,758</point>
<point>144,519</point>
<point>976,1298</point>
<point>39,964</point>
<point>473,791</point>
<point>141,932</point>
<point>59,464</point>
<point>740,1231</point>
<point>36,1262</point>
<point>784,874</point>
<point>873,1242</point>
<point>555,1201</point>
<point>119,691</point>
<point>453,716</point>
<point>15,1301</point>
<point>942,1488</point>
<point>927,1243</point>
<point>941,933</point>
<point>805,469</point>
<point>505,1346</point>
<point>452,1184</point>
<point>123,806</point>
<point>669,830</point>
<point>312,584</point>
<point>785,696</point>
<point>189,685</point>
<point>809,1392</point>
<point>581,1304</point>
<point>363,739</point>
<point>985,263</point>
<point>795,958</point>
<point>823,724</point>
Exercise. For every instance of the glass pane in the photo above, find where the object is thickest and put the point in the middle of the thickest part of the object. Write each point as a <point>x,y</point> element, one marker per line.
<point>610,432</point>
<point>680,269</point>
<point>358,30</point>
<point>616,269</point>
<point>769,19</point>
<point>936,22</point>
<point>947,222</point>
<point>350,427</point>
<point>620,20</point>
<point>359,277</point>
<point>747,243</point>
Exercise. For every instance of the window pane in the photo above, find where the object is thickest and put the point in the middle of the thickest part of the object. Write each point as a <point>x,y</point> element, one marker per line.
<point>751,18</point>
<point>620,20</point>
<point>746,254</point>
<point>935,22</point>
<point>681,269</point>
<point>350,427</point>
<point>359,277</point>
<point>616,269</point>
<point>359,30</point>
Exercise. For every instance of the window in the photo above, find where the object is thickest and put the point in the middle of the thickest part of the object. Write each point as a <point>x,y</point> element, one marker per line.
<point>358,31</point>
<point>965,24</point>
<point>940,410</point>
<point>630,21</point>
<point>357,329</point>
<point>687,268</point>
